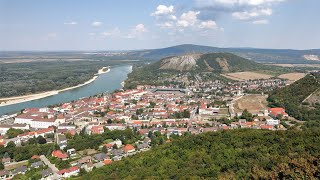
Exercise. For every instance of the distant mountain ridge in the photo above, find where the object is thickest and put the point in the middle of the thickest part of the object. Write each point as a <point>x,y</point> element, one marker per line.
<point>258,55</point>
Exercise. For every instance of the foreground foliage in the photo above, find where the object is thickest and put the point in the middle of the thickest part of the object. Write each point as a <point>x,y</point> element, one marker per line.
<point>257,154</point>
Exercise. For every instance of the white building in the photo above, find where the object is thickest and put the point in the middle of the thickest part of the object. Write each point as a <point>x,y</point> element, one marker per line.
<point>273,122</point>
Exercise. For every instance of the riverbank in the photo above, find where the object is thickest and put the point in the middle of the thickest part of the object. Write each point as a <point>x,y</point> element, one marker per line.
<point>31,97</point>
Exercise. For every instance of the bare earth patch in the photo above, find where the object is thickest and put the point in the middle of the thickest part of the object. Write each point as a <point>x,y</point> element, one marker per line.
<point>243,76</point>
<point>296,65</point>
<point>292,76</point>
<point>254,103</point>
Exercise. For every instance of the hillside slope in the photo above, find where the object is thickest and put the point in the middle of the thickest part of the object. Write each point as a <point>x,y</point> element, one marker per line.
<point>236,154</point>
<point>292,98</point>
<point>216,63</point>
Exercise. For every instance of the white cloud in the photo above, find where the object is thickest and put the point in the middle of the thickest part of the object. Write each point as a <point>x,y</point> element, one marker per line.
<point>166,25</point>
<point>208,25</point>
<point>167,18</point>
<point>138,30</point>
<point>188,19</point>
<point>112,33</point>
<point>254,13</point>
<point>163,10</point>
<point>96,24</point>
<point>70,23</point>
<point>263,21</point>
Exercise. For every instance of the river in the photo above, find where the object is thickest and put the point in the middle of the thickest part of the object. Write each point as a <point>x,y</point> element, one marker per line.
<point>105,82</point>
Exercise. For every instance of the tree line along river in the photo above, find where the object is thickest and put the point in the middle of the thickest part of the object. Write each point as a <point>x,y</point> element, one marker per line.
<point>106,82</point>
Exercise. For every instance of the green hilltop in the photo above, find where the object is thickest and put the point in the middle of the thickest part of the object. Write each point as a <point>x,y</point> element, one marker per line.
<point>295,98</point>
<point>212,63</point>
<point>236,154</point>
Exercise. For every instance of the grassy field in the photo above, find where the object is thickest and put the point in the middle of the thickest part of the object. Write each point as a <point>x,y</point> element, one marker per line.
<point>247,75</point>
<point>18,164</point>
<point>292,76</point>
<point>253,103</point>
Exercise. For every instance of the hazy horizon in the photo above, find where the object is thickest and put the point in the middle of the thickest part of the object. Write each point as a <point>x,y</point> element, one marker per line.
<point>134,25</point>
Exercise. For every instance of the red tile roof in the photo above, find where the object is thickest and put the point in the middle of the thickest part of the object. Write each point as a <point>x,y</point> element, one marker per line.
<point>128,147</point>
<point>59,154</point>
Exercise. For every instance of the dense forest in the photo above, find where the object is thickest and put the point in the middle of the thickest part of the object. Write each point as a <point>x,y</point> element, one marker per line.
<point>291,97</point>
<point>236,154</point>
<point>18,79</point>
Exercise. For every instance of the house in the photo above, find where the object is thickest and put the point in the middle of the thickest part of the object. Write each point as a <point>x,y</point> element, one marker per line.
<point>84,160</point>
<point>143,146</point>
<point>96,130</point>
<point>4,174</point>
<point>35,157</point>
<point>65,173</point>
<point>20,170</point>
<point>62,141</point>
<point>274,112</point>
<point>58,154</point>
<point>36,164</point>
<point>72,152</point>
<point>128,149</point>
<point>117,142</point>
<point>117,152</point>
<point>47,172</point>
<point>272,122</point>
<point>107,161</point>
<point>101,156</point>
<point>112,127</point>
<point>116,158</point>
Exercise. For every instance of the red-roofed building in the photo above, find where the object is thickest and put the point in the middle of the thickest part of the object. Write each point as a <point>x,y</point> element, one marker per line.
<point>269,127</point>
<point>35,157</point>
<point>60,155</point>
<point>65,173</point>
<point>274,112</point>
<point>97,130</point>
<point>107,161</point>
<point>128,149</point>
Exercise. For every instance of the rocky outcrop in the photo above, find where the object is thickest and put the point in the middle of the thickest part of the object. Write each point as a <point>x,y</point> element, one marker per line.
<point>180,63</point>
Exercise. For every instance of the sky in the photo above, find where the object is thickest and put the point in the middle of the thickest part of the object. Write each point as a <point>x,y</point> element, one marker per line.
<point>52,25</point>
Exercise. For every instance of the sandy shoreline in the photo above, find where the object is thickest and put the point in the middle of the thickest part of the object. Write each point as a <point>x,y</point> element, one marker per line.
<point>25,98</point>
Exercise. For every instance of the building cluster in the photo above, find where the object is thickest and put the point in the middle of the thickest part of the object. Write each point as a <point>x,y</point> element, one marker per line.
<point>166,110</point>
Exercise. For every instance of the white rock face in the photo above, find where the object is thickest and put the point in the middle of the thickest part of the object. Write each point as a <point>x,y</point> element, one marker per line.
<point>312,57</point>
<point>180,63</point>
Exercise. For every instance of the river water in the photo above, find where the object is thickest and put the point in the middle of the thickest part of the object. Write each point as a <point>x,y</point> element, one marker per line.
<point>105,82</point>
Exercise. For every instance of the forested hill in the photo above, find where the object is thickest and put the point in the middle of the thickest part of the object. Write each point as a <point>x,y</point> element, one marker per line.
<point>295,98</point>
<point>196,63</point>
<point>236,154</point>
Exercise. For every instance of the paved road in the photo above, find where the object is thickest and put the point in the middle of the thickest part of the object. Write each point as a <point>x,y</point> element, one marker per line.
<point>48,163</point>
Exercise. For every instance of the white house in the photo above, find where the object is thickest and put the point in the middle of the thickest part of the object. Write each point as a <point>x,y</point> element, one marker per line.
<point>272,122</point>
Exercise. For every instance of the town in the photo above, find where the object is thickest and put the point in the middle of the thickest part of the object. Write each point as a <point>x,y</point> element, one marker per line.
<point>95,131</point>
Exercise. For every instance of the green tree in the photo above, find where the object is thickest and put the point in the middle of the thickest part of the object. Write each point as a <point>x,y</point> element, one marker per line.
<point>12,133</point>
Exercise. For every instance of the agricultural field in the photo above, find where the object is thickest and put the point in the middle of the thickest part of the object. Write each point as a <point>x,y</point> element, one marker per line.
<point>247,75</point>
<point>254,103</point>
<point>292,76</point>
